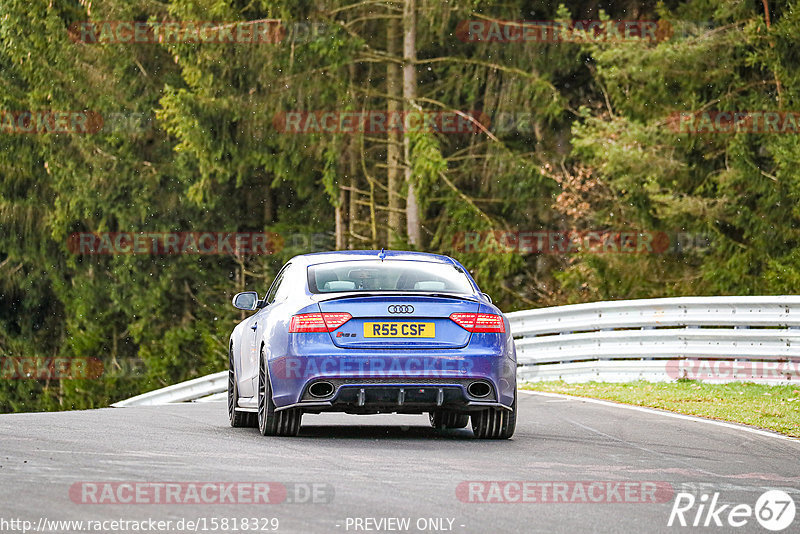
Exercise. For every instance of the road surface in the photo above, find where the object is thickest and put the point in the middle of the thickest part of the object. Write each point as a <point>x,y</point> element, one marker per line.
<point>386,473</point>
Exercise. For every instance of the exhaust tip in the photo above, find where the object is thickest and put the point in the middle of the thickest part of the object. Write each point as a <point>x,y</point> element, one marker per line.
<point>320,389</point>
<point>479,389</point>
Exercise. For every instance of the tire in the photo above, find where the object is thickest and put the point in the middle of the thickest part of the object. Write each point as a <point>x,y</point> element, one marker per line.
<point>237,419</point>
<point>448,419</point>
<point>270,422</point>
<point>495,423</point>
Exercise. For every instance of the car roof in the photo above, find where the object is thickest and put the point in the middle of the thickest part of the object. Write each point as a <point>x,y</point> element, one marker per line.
<point>344,255</point>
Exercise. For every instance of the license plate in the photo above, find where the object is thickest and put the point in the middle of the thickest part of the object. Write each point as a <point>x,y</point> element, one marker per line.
<point>399,330</point>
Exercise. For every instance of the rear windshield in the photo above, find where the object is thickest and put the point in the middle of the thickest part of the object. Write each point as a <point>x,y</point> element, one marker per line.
<point>397,275</point>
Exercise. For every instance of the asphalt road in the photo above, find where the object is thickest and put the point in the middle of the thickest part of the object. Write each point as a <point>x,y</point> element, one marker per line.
<point>383,467</point>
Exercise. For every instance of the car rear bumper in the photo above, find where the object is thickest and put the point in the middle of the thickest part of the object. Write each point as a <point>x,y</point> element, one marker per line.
<point>398,381</point>
<point>392,395</point>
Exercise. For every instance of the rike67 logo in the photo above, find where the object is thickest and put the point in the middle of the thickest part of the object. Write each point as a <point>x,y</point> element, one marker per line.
<point>774,510</point>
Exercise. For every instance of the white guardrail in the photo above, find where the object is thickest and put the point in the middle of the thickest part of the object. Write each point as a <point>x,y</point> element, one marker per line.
<point>203,388</point>
<point>706,338</point>
<point>720,339</point>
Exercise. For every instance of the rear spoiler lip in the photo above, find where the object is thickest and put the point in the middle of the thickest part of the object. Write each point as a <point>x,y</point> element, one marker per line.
<point>320,297</point>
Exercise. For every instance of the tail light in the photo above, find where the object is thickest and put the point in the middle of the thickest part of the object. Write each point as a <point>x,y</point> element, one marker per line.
<point>317,322</point>
<point>479,322</point>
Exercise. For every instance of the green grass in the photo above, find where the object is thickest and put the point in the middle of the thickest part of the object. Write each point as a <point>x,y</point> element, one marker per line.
<point>772,407</point>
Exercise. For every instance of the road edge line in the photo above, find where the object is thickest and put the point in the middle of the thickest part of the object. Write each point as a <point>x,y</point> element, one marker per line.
<point>666,413</point>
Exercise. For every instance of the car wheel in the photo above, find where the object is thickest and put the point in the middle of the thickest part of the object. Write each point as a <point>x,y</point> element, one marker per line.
<point>448,419</point>
<point>494,423</point>
<point>270,422</point>
<point>237,419</point>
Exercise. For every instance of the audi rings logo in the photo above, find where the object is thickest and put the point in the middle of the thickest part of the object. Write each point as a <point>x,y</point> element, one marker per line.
<point>401,308</point>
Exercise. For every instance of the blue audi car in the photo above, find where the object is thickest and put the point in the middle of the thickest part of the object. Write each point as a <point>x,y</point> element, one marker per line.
<point>367,332</point>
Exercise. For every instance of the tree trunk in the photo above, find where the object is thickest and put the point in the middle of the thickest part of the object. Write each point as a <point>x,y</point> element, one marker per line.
<point>269,206</point>
<point>409,95</point>
<point>394,139</point>
<point>341,241</point>
<point>351,162</point>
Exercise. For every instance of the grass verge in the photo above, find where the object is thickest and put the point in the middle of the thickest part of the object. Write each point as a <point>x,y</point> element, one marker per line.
<point>771,407</point>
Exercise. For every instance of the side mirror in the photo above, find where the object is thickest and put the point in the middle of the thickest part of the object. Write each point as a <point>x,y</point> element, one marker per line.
<point>247,300</point>
<point>488,297</point>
